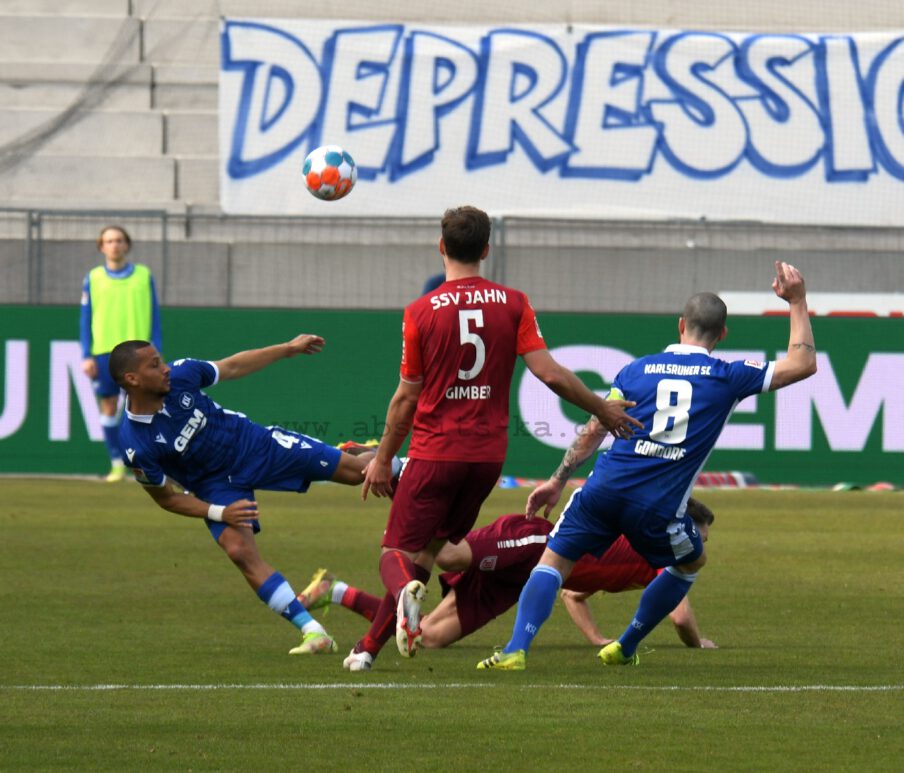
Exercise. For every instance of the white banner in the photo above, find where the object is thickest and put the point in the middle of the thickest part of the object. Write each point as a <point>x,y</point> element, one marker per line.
<point>570,121</point>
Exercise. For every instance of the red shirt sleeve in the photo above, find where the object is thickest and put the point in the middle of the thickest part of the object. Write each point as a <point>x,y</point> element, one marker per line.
<point>412,368</point>
<point>530,339</point>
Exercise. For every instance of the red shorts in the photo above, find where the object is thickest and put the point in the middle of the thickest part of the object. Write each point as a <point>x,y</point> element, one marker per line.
<point>437,500</point>
<point>502,557</point>
<point>480,597</point>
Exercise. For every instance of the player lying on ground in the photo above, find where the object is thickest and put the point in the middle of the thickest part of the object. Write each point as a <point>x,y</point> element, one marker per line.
<point>175,432</point>
<point>639,487</point>
<point>484,574</point>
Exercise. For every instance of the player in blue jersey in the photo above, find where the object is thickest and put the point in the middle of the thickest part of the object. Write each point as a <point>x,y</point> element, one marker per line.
<point>175,433</point>
<point>640,488</point>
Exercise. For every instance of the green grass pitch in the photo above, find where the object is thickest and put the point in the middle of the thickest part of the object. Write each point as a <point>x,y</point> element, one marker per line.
<point>130,643</point>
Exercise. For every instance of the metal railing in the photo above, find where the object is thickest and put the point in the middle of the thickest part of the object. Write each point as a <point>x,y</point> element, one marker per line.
<point>574,265</point>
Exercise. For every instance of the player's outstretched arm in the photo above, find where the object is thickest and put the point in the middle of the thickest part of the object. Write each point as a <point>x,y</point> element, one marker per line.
<point>801,360</point>
<point>239,513</point>
<point>582,617</point>
<point>685,623</point>
<point>611,413</point>
<point>243,363</point>
<point>584,446</point>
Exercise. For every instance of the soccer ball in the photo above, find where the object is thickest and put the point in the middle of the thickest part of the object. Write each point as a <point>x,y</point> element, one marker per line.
<point>329,172</point>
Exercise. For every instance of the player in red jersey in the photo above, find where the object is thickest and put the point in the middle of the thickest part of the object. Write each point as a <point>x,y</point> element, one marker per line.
<point>484,574</point>
<point>460,343</point>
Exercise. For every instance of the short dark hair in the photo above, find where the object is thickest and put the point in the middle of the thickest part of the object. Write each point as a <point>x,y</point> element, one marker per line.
<point>466,233</point>
<point>700,513</point>
<point>704,316</point>
<point>123,231</point>
<point>123,359</point>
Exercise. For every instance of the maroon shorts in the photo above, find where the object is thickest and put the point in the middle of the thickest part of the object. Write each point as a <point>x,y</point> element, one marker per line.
<point>480,597</point>
<point>437,500</point>
<point>502,557</point>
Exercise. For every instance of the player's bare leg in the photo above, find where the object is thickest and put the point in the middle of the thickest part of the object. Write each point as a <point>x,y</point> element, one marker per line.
<point>455,557</point>
<point>274,590</point>
<point>441,627</point>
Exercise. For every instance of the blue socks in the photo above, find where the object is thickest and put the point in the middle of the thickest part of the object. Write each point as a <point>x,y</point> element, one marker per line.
<point>660,597</point>
<point>110,427</point>
<point>277,594</point>
<point>534,606</point>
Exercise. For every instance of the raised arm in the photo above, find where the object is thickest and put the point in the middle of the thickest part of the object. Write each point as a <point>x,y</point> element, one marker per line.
<point>611,413</point>
<point>243,363</point>
<point>584,446</point>
<point>801,360</point>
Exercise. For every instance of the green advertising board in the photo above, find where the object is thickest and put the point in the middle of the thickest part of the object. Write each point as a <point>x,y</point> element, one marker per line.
<point>844,424</point>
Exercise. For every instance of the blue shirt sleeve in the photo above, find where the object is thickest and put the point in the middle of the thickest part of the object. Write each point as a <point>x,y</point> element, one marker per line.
<point>85,319</point>
<point>156,328</point>
<point>194,374</point>
<point>146,470</point>
<point>750,377</point>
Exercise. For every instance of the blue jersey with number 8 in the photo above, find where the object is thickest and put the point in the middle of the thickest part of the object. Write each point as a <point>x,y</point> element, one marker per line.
<point>684,397</point>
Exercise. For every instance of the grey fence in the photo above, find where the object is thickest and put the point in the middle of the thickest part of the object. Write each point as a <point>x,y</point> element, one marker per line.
<point>578,265</point>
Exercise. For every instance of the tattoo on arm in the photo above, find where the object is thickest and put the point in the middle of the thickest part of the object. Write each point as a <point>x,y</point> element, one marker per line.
<point>574,457</point>
<point>808,347</point>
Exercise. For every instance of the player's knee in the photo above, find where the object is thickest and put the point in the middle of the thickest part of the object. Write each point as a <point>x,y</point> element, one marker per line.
<point>238,552</point>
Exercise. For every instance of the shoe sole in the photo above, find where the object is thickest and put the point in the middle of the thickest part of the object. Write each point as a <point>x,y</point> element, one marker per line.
<point>408,641</point>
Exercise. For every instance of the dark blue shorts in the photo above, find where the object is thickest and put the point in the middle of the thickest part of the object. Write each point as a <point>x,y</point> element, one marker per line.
<point>594,519</point>
<point>104,385</point>
<point>288,461</point>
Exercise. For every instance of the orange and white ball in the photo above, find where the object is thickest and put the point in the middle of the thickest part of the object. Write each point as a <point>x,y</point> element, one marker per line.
<point>329,172</point>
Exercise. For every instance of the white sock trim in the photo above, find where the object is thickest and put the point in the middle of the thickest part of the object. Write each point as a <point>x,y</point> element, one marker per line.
<point>281,598</point>
<point>688,578</point>
<point>339,591</point>
<point>312,625</point>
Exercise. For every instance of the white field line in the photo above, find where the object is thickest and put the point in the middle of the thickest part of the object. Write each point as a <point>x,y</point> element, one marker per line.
<point>451,686</point>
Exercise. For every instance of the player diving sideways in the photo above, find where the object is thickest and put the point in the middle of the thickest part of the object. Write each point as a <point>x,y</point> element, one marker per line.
<point>485,572</point>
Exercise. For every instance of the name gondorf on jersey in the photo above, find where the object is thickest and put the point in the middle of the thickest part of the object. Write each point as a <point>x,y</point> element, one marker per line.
<point>649,448</point>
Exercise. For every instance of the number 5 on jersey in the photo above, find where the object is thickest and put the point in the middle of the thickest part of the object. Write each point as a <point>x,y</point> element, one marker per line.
<point>465,316</point>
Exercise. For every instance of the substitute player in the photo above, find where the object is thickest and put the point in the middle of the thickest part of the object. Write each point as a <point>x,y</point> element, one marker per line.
<point>640,487</point>
<point>119,302</point>
<point>175,432</point>
<point>484,573</point>
<point>460,343</point>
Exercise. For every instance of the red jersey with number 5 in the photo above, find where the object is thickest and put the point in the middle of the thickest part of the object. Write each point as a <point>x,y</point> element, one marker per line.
<point>461,341</point>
